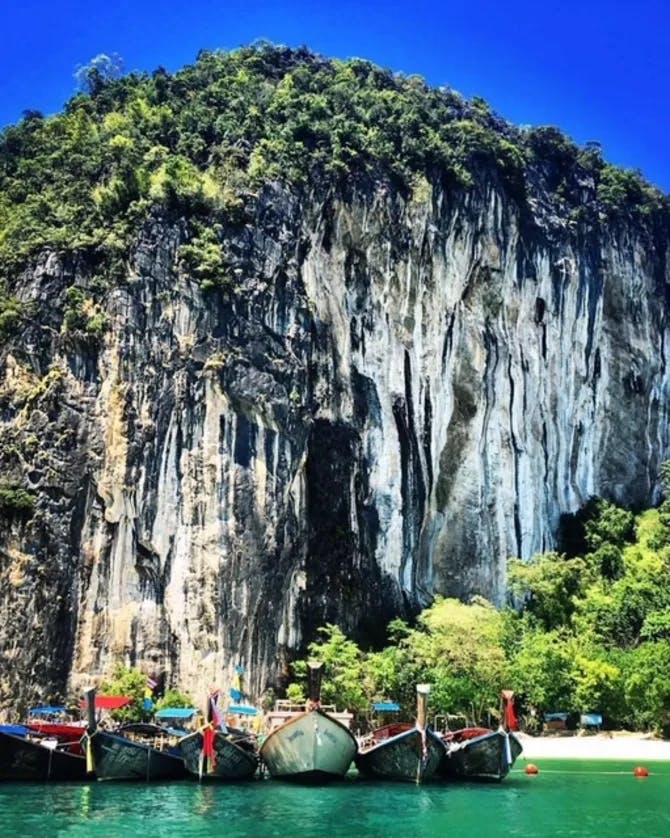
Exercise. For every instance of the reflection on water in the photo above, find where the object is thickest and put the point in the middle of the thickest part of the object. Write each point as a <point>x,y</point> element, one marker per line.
<point>558,802</point>
<point>85,802</point>
<point>204,801</point>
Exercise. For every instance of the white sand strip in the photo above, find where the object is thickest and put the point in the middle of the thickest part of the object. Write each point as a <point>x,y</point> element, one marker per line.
<point>617,745</point>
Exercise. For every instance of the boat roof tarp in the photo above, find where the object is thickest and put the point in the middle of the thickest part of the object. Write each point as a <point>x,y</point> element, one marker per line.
<point>242,710</point>
<point>176,713</point>
<point>108,702</point>
<point>555,717</point>
<point>386,707</point>
<point>174,731</point>
<point>591,719</point>
<point>47,711</point>
<point>15,730</point>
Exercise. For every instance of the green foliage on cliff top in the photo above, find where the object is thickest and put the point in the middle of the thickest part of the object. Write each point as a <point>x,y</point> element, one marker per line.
<point>577,640</point>
<point>200,142</point>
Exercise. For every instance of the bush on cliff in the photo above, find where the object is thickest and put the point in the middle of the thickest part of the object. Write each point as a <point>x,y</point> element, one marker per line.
<point>16,502</point>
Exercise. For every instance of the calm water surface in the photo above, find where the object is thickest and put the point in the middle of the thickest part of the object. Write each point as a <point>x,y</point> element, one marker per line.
<point>565,799</point>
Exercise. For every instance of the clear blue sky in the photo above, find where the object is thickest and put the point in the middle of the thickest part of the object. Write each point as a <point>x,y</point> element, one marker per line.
<point>599,69</point>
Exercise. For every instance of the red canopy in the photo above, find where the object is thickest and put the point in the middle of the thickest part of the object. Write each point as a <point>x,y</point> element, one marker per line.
<point>108,702</point>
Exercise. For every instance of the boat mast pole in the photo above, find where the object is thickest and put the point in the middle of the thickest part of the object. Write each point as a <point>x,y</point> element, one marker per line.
<point>422,691</point>
<point>90,729</point>
<point>90,711</point>
<point>314,676</point>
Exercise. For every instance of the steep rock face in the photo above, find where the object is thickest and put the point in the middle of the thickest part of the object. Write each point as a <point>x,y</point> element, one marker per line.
<point>395,396</point>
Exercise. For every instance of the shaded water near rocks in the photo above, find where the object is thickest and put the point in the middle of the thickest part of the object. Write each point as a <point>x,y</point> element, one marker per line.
<point>565,799</point>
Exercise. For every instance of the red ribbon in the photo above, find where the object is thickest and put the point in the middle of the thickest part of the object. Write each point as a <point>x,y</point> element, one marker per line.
<point>208,746</point>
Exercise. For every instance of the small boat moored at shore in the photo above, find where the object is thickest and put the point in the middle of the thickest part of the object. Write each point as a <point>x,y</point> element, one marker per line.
<point>402,751</point>
<point>474,753</point>
<point>133,752</point>
<point>311,744</point>
<point>57,723</point>
<point>23,757</point>
<point>218,752</point>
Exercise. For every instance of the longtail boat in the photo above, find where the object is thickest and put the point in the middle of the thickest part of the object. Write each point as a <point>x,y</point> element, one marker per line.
<point>133,752</point>
<point>312,744</point>
<point>219,752</point>
<point>475,753</point>
<point>403,751</point>
<point>222,755</point>
<point>57,723</point>
<point>25,758</point>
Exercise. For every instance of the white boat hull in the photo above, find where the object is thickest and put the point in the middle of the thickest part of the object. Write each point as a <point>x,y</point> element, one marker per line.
<point>311,747</point>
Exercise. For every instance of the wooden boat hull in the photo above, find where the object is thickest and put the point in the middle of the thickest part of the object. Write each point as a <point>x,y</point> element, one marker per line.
<point>232,760</point>
<point>117,758</point>
<point>484,757</point>
<point>406,756</point>
<point>311,747</point>
<point>21,759</point>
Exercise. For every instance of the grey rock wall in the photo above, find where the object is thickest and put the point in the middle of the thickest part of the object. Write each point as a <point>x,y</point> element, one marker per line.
<point>396,396</point>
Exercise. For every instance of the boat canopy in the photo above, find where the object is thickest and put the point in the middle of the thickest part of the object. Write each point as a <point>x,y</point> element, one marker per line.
<point>591,719</point>
<point>108,702</point>
<point>386,707</point>
<point>176,713</point>
<point>242,710</point>
<point>176,731</point>
<point>47,711</point>
<point>556,717</point>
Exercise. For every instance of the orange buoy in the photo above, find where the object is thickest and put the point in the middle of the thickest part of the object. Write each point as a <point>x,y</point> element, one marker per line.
<point>641,771</point>
<point>531,768</point>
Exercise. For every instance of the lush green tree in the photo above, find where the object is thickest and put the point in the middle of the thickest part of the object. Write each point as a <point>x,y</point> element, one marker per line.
<point>647,685</point>
<point>342,683</point>
<point>132,683</point>
<point>542,670</point>
<point>173,698</point>
<point>295,693</point>
<point>610,525</point>
<point>656,625</point>
<point>457,648</point>
<point>90,77</point>
<point>547,586</point>
<point>598,686</point>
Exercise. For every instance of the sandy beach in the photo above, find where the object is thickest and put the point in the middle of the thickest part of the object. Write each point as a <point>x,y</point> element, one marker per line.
<point>619,745</point>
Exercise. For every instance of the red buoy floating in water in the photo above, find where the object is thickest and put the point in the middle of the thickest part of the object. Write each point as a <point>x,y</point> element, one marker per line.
<point>531,768</point>
<point>641,771</point>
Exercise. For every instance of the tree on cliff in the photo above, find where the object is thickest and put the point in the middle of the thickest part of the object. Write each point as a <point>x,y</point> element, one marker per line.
<point>92,77</point>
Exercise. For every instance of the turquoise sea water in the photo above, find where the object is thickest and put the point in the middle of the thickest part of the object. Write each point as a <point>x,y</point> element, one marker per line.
<point>565,799</point>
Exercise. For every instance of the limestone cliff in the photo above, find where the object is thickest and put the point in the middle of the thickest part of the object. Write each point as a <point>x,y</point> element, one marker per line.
<point>399,390</point>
